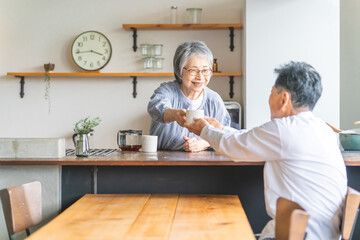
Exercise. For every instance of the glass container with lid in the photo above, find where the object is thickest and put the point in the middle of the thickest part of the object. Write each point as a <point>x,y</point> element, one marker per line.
<point>145,49</point>
<point>129,140</point>
<point>148,63</point>
<point>193,15</point>
<point>156,49</point>
<point>158,63</point>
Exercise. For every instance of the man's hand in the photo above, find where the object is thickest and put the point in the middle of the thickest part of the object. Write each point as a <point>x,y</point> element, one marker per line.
<point>195,145</point>
<point>214,122</point>
<point>197,126</point>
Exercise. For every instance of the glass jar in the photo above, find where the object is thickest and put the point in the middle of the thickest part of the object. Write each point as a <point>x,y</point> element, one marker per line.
<point>148,63</point>
<point>145,49</point>
<point>193,15</point>
<point>129,140</point>
<point>156,49</point>
<point>158,63</point>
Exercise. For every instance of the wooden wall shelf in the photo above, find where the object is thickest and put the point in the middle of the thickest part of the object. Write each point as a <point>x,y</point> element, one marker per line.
<point>133,75</point>
<point>184,26</point>
<point>100,74</point>
<point>219,26</point>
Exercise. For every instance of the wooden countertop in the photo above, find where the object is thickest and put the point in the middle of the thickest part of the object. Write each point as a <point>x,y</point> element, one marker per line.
<point>161,158</point>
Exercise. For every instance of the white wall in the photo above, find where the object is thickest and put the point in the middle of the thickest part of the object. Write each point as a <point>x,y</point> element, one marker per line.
<point>349,63</point>
<point>41,31</point>
<point>279,31</point>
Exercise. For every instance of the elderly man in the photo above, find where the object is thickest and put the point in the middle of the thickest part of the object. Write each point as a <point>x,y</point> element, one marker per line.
<point>303,160</point>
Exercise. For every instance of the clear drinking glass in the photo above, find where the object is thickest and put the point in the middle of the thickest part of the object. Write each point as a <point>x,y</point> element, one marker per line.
<point>173,19</point>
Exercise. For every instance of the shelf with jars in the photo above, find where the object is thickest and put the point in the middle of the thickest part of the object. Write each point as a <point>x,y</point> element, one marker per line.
<point>198,26</point>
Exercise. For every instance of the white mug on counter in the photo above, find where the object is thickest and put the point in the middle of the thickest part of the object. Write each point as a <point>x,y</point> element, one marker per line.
<point>191,114</point>
<point>149,143</point>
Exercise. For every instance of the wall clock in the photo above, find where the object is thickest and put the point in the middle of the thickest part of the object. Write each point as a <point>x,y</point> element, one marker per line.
<point>91,50</point>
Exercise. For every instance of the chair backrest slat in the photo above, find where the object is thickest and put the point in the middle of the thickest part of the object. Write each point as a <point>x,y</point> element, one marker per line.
<point>290,221</point>
<point>350,213</point>
<point>298,224</point>
<point>22,206</point>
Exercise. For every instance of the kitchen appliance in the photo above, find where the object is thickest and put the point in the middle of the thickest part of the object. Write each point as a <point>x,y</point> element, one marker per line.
<point>129,140</point>
<point>234,109</point>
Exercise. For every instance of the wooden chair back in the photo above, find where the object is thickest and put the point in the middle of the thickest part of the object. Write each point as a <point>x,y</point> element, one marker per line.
<point>350,213</point>
<point>290,220</point>
<point>22,206</point>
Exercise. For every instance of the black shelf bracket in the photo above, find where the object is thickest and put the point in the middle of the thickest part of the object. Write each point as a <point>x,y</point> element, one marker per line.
<point>134,38</point>
<point>134,87</point>
<point>231,82</point>
<point>22,83</point>
<point>231,38</point>
<point>94,181</point>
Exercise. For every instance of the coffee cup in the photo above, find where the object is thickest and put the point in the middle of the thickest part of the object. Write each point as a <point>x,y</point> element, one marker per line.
<point>191,114</point>
<point>149,143</point>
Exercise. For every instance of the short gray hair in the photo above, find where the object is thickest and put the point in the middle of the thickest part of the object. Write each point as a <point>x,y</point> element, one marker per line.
<point>302,81</point>
<point>186,51</point>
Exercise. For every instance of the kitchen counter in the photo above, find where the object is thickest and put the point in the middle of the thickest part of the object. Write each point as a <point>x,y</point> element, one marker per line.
<point>161,158</point>
<point>164,172</point>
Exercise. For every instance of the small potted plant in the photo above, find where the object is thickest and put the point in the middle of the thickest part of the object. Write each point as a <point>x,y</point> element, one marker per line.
<point>82,129</point>
<point>49,67</point>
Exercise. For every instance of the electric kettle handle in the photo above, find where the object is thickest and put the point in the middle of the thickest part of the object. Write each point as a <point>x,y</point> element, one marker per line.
<point>73,137</point>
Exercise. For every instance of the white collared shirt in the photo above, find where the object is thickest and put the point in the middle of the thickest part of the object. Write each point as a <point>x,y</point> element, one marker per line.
<point>303,164</point>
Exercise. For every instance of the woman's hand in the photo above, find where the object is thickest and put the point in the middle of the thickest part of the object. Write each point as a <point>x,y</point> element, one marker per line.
<point>214,122</point>
<point>195,145</point>
<point>178,115</point>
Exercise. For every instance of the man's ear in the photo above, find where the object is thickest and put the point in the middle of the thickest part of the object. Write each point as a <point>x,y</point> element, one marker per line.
<point>285,100</point>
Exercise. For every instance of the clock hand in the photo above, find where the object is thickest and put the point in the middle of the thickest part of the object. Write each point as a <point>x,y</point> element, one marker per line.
<point>96,52</point>
<point>84,51</point>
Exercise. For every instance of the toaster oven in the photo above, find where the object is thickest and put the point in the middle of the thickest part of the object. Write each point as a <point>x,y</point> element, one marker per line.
<point>234,109</point>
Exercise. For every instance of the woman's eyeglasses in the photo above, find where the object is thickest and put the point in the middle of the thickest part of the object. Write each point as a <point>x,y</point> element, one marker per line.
<point>195,72</point>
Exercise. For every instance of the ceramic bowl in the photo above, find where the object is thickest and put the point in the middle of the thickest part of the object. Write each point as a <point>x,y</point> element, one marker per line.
<point>350,141</point>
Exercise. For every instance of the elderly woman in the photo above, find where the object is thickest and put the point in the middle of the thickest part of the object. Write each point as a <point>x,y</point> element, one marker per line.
<point>167,106</point>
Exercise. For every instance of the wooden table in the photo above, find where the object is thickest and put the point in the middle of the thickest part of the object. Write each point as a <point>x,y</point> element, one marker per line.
<point>150,216</point>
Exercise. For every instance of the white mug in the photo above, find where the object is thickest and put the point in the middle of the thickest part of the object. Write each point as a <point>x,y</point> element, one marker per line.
<point>149,143</point>
<point>191,114</point>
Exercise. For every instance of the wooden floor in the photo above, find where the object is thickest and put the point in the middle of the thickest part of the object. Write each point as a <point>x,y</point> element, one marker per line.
<point>150,216</point>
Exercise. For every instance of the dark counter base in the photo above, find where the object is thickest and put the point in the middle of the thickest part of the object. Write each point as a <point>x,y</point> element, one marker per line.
<point>247,182</point>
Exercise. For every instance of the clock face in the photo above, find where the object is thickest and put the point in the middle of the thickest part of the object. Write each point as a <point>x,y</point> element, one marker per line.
<point>91,50</point>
